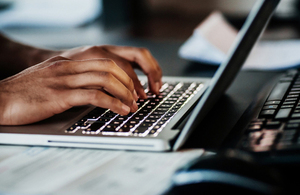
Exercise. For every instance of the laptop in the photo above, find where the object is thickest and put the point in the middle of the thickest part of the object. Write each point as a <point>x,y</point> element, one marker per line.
<point>162,122</point>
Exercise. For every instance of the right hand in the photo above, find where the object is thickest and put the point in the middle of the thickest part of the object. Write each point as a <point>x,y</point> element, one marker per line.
<point>59,83</point>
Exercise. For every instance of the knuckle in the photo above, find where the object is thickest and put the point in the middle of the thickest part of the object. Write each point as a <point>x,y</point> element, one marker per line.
<point>92,95</point>
<point>109,63</point>
<point>104,47</point>
<point>92,49</point>
<point>115,103</point>
<point>144,50</point>
<point>58,58</point>
<point>104,75</point>
<point>153,71</point>
<point>128,95</point>
<point>131,83</point>
<point>156,70</point>
<point>57,64</point>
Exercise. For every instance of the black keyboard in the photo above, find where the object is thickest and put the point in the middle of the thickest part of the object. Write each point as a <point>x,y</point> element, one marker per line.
<point>277,127</point>
<point>153,113</point>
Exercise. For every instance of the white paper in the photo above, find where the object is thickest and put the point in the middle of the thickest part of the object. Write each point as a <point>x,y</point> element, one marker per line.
<point>197,48</point>
<point>42,170</point>
<point>207,43</point>
<point>274,55</point>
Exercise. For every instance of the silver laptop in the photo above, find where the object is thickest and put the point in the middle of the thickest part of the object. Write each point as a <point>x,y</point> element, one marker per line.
<point>162,122</point>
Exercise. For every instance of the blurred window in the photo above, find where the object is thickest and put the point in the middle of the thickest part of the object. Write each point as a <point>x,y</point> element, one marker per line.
<point>48,13</point>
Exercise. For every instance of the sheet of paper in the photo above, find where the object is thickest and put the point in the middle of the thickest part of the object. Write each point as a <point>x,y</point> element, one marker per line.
<point>42,170</point>
<point>198,48</point>
<point>274,55</point>
<point>211,42</point>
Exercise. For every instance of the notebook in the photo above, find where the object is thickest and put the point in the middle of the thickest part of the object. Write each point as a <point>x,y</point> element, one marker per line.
<point>162,122</point>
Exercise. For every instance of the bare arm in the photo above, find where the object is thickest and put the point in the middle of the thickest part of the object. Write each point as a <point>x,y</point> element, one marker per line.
<point>15,57</point>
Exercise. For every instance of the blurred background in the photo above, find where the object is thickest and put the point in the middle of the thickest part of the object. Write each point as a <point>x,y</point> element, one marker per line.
<point>71,23</point>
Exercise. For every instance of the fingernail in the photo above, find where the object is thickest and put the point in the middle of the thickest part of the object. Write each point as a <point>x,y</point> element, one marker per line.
<point>135,96</point>
<point>135,106</point>
<point>144,95</point>
<point>125,109</point>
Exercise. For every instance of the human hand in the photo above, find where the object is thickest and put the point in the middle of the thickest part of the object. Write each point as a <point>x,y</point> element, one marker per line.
<point>59,83</point>
<point>127,58</point>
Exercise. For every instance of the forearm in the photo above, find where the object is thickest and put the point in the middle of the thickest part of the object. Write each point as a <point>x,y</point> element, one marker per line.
<point>15,57</point>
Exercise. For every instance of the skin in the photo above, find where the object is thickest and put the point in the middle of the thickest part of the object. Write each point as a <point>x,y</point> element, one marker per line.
<point>45,82</point>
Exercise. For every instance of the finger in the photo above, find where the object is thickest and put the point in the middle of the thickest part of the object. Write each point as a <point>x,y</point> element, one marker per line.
<point>102,81</point>
<point>137,84</point>
<point>145,60</point>
<point>127,67</point>
<point>93,65</point>
<point>97,98</point>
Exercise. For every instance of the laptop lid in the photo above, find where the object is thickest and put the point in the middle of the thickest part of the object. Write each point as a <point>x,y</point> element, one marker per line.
<point>254,25</point>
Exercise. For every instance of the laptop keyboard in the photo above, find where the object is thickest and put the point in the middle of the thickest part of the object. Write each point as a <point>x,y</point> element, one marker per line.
<point>277,128</point>
<point>153,113</point>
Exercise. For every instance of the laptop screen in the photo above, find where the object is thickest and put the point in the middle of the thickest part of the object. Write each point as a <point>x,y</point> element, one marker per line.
<point>254,25</point>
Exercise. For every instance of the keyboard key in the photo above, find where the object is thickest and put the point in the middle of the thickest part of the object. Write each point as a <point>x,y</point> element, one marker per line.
<point>140,129</point>
<point>124,129</point>
<point>254,127</point>
<point>279,91</point>
<point>286,79</point>
<point>266,142</point>
<point>109,128</point>
<point>270,107</point>
<point>293,96</point>
<point>286,137</point>
<point>283,113</point>
<point>287,106</point>
<point>296,115</point>
<point>272,103</point>
<point>154,116</point>
<point>267,113</point>
<point>289,102</point>
<point>128,126</point>
<point>95,126</point>
<point>72,129</point>
<point>145,125</point>
<point>294,121</point>
<point>149,121</point>
<point>165,118</point>
<point>257,123</point>
<point>291,99</point>
<point>153,131</point>
<point>295,89</point>
<point>272,124</point>
<point>292,126</point>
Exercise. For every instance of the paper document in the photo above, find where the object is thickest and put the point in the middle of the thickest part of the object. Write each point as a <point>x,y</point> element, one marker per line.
<point>43,170</point>
<point>213,38</point>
